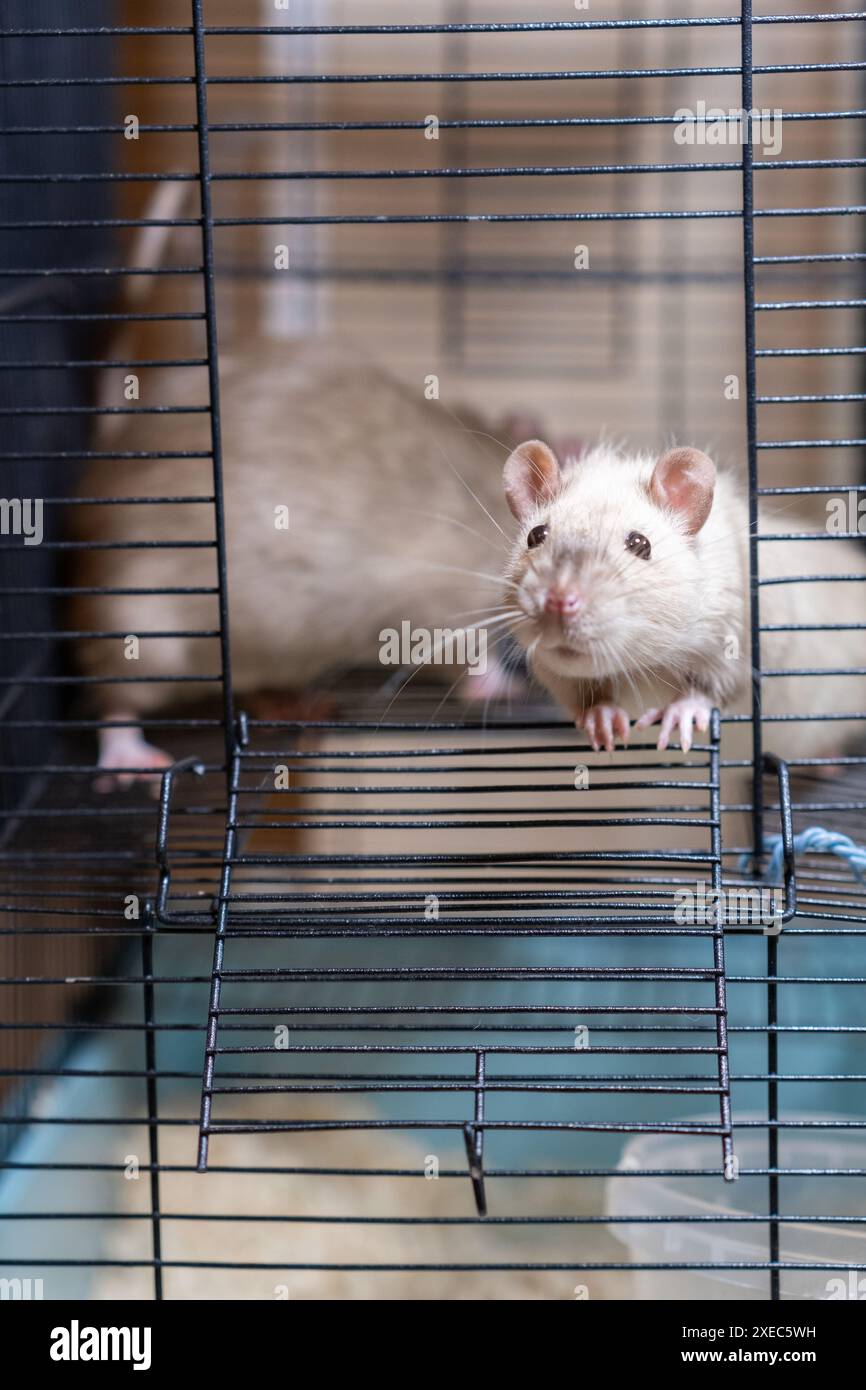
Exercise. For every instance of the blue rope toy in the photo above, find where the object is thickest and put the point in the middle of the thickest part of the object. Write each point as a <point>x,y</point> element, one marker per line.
<point>815,840</point>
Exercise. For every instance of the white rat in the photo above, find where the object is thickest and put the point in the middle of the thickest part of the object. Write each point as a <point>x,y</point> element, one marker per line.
<point>630,574</point>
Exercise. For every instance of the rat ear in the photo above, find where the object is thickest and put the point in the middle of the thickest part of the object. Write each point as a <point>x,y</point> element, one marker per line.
<point>683,481</point>
<point>531,475</point>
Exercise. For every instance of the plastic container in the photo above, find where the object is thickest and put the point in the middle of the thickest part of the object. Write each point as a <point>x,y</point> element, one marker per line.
<point>840,1245</point>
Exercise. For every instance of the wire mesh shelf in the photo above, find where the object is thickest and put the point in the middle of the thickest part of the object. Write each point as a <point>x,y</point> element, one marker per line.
<point>350,832</point>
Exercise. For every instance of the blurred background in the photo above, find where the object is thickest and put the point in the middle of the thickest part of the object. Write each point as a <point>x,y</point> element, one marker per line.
<point>641,340</point>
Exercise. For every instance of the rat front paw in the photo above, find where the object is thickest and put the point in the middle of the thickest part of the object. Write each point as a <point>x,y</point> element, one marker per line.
<point>602,723</point>
<point>690,711</point>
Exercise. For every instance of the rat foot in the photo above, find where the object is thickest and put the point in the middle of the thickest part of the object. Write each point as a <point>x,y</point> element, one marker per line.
<point>602,723</point>
<point>683,714</point>
<point>127,758</point>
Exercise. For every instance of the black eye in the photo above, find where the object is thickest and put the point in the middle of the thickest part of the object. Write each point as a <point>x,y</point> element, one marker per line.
<point>536,536</point>
<point>638,545</point>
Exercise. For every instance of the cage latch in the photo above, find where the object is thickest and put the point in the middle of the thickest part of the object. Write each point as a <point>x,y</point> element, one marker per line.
<point>197,768</point>
<point>473,1135</point>
<point>780,768</point>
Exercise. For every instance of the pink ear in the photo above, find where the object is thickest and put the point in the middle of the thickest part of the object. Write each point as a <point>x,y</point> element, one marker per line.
<point>683,480</point>
<point>531,476</point>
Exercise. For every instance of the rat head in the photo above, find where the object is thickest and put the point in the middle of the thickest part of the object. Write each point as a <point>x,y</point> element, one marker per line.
<point>606,568</point>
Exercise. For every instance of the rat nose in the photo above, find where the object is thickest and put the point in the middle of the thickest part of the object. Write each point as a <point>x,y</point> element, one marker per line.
<point>566,602</point>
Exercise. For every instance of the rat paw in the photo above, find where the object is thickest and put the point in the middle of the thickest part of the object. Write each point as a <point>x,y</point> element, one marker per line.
<point>602,723</point>
<point>126,757</point>
<point>686,714</point>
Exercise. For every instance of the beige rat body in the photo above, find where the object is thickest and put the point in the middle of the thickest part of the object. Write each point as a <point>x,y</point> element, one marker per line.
<point>630,573</point>
<point>349,511</point>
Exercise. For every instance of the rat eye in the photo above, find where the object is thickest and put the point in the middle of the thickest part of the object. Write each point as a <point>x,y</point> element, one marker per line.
<point>638,545</point>
<point>536,536</point>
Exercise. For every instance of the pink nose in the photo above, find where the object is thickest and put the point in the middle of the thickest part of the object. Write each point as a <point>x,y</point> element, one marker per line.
<point>563,601</point>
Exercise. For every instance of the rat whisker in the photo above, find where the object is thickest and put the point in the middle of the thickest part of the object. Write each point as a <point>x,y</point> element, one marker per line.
<point>461,525</point>
<point>472,494</point>
<point>494,609</point>
<point>431,660</point>
<point>473,574</point>
<point>446,696</point>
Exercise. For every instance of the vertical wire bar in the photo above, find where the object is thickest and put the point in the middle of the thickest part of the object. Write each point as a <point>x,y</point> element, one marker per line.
<point>218,956</point>
<point>473,1135</point>
<point>453,198</point>
<point>719,951</point>
<point>751,423</point>
<point>207,235</point>
<point>672,316</point>
<point>862,198</point>
<point>152,1097</point>
<point>773,1112</point>
<point>754,613</point>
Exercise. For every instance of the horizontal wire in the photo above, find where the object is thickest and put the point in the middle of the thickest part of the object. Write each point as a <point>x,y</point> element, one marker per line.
<point>354,1219</point>
<point>463,27</point>
<point>408,219</point>
<point>90,410</point>
<point>477,1267</point>
<point>72,317</point>
<point>458,172</point>
<point>388,78</point>
<point>29,366</point>
<point>478,123</point>
<point>780,305</point>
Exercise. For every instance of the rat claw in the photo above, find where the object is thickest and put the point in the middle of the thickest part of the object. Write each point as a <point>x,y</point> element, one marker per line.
<point>603,723</point>
<point>686,730</point>
<point>622,725</point>
<point>586,723</point>
<point>607,729</point>
<point>669,722</point>
<point>650,716</point>
<point>686,714</point>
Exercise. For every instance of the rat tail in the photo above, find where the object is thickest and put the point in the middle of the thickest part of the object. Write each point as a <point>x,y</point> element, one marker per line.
<point>148,251</point>
<point>151,242</point>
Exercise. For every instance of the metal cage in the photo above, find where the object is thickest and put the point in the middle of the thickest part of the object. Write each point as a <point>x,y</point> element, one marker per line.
<point>221,1012</point>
